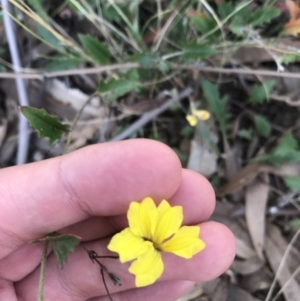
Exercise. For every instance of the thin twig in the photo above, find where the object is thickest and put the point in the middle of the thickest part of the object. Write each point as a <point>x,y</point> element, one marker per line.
<point>102,69</point>
<point>148,116</point>
<point>287,283</point>
<point>23,139</point>
<point>283,261</point>
<point>94,70</point>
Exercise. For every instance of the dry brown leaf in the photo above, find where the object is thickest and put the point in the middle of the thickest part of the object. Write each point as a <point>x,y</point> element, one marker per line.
<point>292,170</point>
<point>293,26</point>
<point>255,208</point>
<point>238,294</point>
<point>244,248</point>
<point>74,97</point>
<point>243,177</point>
<point>3,129</point>
<point>203,158</point>
<point>293,259</point>
<point>216,289</point>
<point>275,255</point>
<point>257,281</point>
<point>248,266</point>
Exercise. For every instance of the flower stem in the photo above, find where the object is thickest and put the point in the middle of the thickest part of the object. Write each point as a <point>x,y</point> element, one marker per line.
<point>42,271</point>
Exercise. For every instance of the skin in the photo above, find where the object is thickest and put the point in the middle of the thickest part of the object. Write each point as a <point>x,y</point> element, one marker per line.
<point>87,193</point>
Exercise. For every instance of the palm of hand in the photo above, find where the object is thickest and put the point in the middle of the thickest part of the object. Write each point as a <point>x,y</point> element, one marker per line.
<point>87,193</point>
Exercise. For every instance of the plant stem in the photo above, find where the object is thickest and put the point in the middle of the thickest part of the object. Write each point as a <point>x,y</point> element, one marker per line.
<point>42,272</point>
<point>75,122</point>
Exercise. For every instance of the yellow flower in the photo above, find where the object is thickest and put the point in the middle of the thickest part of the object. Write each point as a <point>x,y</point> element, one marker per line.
<point>153,230</point>
<point>197,115</point>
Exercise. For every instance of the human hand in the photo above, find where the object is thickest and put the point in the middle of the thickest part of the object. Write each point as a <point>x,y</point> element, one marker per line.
<point>87,193</point>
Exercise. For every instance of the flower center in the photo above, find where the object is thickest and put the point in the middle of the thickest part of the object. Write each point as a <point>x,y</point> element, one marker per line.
<point>155,245</point>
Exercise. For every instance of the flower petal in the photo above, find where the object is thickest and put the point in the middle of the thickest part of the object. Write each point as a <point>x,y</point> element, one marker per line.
<point>192,120</point>
<point>201,114</point>
<point>142,217</point>
<point>147,268</point>
<point>185,243</point>
<point>168,222</point>
<point>128,245</point>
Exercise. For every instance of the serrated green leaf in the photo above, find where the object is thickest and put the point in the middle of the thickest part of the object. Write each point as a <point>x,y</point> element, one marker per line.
<point>287,144</point>
<point>263,15</point>
<point>97,50</point>
<point>114,88</point>
<point>285,152</point>
<point>288,58</point>
<point>259,93</point>
<point>293,183</point>
<point>262,126</point>
<point>62,245</point>
<point>217,104</point>
<point>47,125</point>
<point>194,51</point>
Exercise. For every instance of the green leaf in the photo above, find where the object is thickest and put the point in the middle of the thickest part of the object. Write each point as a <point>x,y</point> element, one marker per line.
<point>151,60</point>
<point>287,144</point>
<point>187,131</point>
<point>62,246</point>
<point>63,63</point>
<point>246,133</point>
<point>262,126</point>
<point>97,50</point>
<point>217,104</point>
<point>240,20</point>
<point>288,58</point>
<point>204,25</point>
<point>147,60</point>
<point>259,93</point>
<point>285,152</point>
<point>225,9</point>
<point>295,223</point>
<point>164,66</point>
<point>114,88</point>
<point>47,125</point>
<point>237,28</point>
<point>49,37</point>
<point>194,51</point>
<point>37,5</point>
<point>293,183</point>
<point>263,15</point>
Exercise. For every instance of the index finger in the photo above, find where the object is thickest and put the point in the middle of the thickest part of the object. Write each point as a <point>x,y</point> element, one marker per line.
<point>103,179</point>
